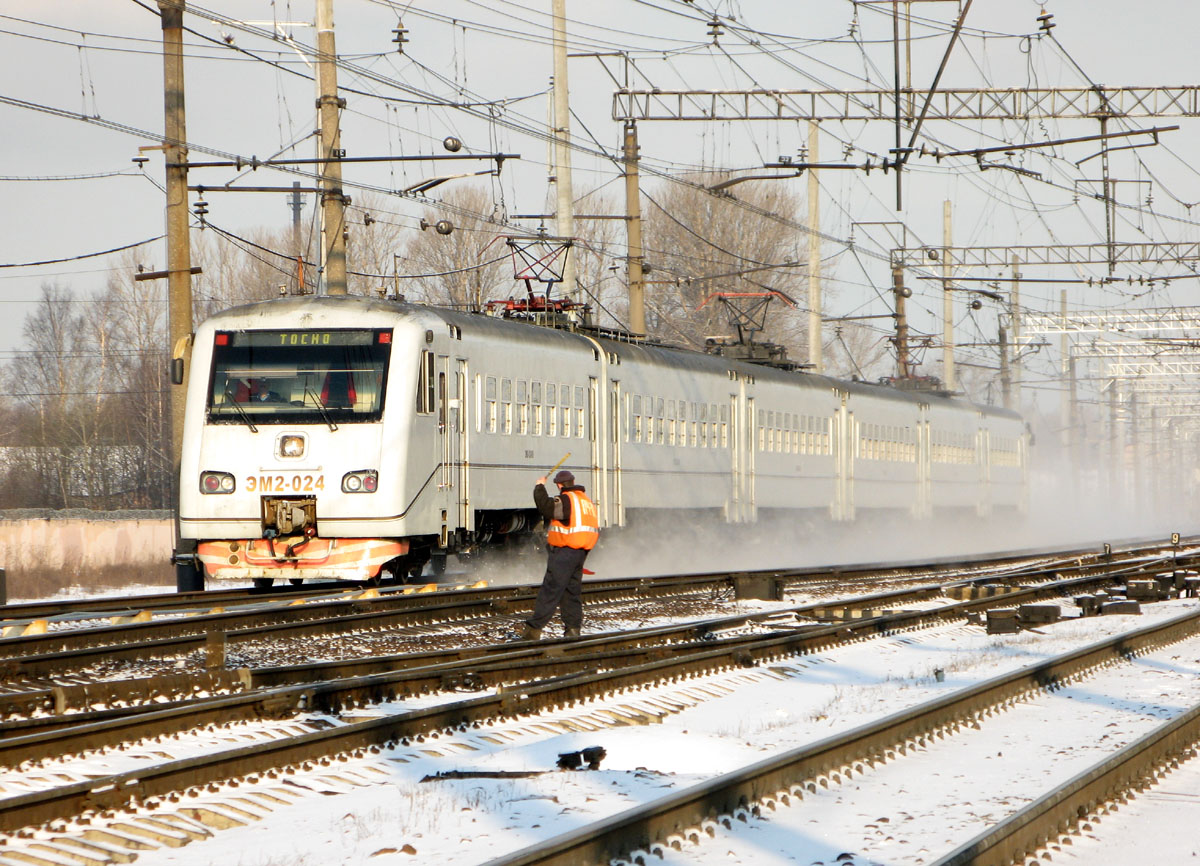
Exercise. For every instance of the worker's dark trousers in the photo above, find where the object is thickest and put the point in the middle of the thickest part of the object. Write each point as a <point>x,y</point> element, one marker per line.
<point>562,585</point>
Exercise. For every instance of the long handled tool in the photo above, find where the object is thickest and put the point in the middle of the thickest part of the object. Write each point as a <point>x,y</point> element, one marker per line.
<point>550,474</point>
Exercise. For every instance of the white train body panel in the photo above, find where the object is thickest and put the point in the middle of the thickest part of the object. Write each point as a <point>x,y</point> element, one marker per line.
<point>450,417</point>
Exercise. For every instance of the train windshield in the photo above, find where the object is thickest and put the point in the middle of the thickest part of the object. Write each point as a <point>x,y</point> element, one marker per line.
<point>298,377</point>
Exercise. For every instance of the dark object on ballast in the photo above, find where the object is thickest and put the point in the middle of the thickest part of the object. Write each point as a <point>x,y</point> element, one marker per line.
<point>592,756</point>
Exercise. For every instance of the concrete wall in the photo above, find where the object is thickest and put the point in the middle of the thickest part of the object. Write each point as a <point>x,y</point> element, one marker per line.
<point>79,540</point>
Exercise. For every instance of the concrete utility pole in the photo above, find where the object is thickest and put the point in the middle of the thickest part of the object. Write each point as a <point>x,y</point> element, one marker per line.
<point>562,151</point>
<point>296,203</point>
<point>814,256</point>
<point>179,254</point>
<point>333,201</point>
<point>1005,375</point>
<point>903,366</point>
<point>947,303</point>
<point>633,231</point>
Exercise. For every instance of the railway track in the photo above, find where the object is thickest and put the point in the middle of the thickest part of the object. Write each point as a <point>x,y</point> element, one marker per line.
<point>509,682</point>
<point>60,704</point>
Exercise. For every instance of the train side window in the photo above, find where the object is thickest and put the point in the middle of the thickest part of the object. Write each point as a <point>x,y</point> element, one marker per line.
<point>490,397</point>
<point>564,393</point>
<point>425,384</point>
<point>478,404</point>
<point>522,407</point>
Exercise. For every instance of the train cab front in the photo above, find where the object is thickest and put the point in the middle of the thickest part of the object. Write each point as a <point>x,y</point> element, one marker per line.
<point>283,457</point>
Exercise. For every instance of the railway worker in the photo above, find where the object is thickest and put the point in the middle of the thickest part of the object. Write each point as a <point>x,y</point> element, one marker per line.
<point>574,530</point>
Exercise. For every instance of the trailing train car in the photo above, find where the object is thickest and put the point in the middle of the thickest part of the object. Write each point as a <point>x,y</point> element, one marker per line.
<point>355,437</point>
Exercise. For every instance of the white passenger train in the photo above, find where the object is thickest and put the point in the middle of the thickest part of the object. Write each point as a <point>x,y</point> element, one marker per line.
<point>353,437</point>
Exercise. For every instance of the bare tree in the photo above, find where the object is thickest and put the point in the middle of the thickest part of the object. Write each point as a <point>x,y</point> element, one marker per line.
<point>463,269</point>
<point>376,236</point>
<point>699,242</point>
<point>52,378</point>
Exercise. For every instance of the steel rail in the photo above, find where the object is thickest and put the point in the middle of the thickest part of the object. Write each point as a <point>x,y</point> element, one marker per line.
<point>1056,813</point>
<point>41,655</point>
<point>131,604</point>
<point>128,694</point>
<point>793,773</point>
<point>32,659</point>
<point>520,699</point>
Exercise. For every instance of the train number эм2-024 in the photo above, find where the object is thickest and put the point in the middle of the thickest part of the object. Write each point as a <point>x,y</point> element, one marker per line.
<point>284,483</point>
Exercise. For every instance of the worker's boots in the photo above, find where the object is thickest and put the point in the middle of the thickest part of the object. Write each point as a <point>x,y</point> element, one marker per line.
<point>531,633</point>
<point>571,633</point>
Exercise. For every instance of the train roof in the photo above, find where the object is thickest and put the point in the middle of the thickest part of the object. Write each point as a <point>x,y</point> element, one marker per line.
<point>310,306</point>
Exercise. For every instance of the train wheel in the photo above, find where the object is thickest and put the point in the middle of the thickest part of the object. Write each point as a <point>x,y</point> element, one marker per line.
<point>295,581</point>
<point>264,582</point>
<point>188,578</point>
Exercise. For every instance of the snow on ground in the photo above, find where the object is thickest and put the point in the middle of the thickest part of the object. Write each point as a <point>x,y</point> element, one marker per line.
<point>386,815</point>
<point>926,804</point>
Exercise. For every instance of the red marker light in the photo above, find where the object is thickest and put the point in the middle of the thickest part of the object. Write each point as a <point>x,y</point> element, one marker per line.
<point>221,339</point>
<point>385,337</point>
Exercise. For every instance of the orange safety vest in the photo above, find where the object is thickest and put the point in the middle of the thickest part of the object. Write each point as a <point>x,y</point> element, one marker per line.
<point>584,529</point>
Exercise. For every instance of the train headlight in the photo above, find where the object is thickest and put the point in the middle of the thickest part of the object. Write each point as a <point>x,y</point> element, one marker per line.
<point>216,482</point>
<point>362,481</point>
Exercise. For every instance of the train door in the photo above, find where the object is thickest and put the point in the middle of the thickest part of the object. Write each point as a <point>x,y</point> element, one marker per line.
<point>924,463</point>
<point>844,441</point>
<point>616,510</point>
<point>749,505</point>
<point>983,454</point>
<point>595,441</point>
<point>446,421</point>
<point>733,511</point>
<point>459,406</point>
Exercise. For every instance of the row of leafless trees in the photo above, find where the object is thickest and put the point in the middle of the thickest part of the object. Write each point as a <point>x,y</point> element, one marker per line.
<point>85,419</point>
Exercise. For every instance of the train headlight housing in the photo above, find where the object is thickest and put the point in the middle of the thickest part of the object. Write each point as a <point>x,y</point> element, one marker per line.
<point>216,482</point>
<point>290,445</point>
<point>362,481</point>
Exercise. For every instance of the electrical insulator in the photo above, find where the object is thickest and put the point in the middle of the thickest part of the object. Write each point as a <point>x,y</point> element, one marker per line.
<point>976,304</point>
<point>452,144</point>
<point>1046,21</point>
<point>200,209</point>
<point>714,28</point>
<point>401,36</point>
<point>443,227</point>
